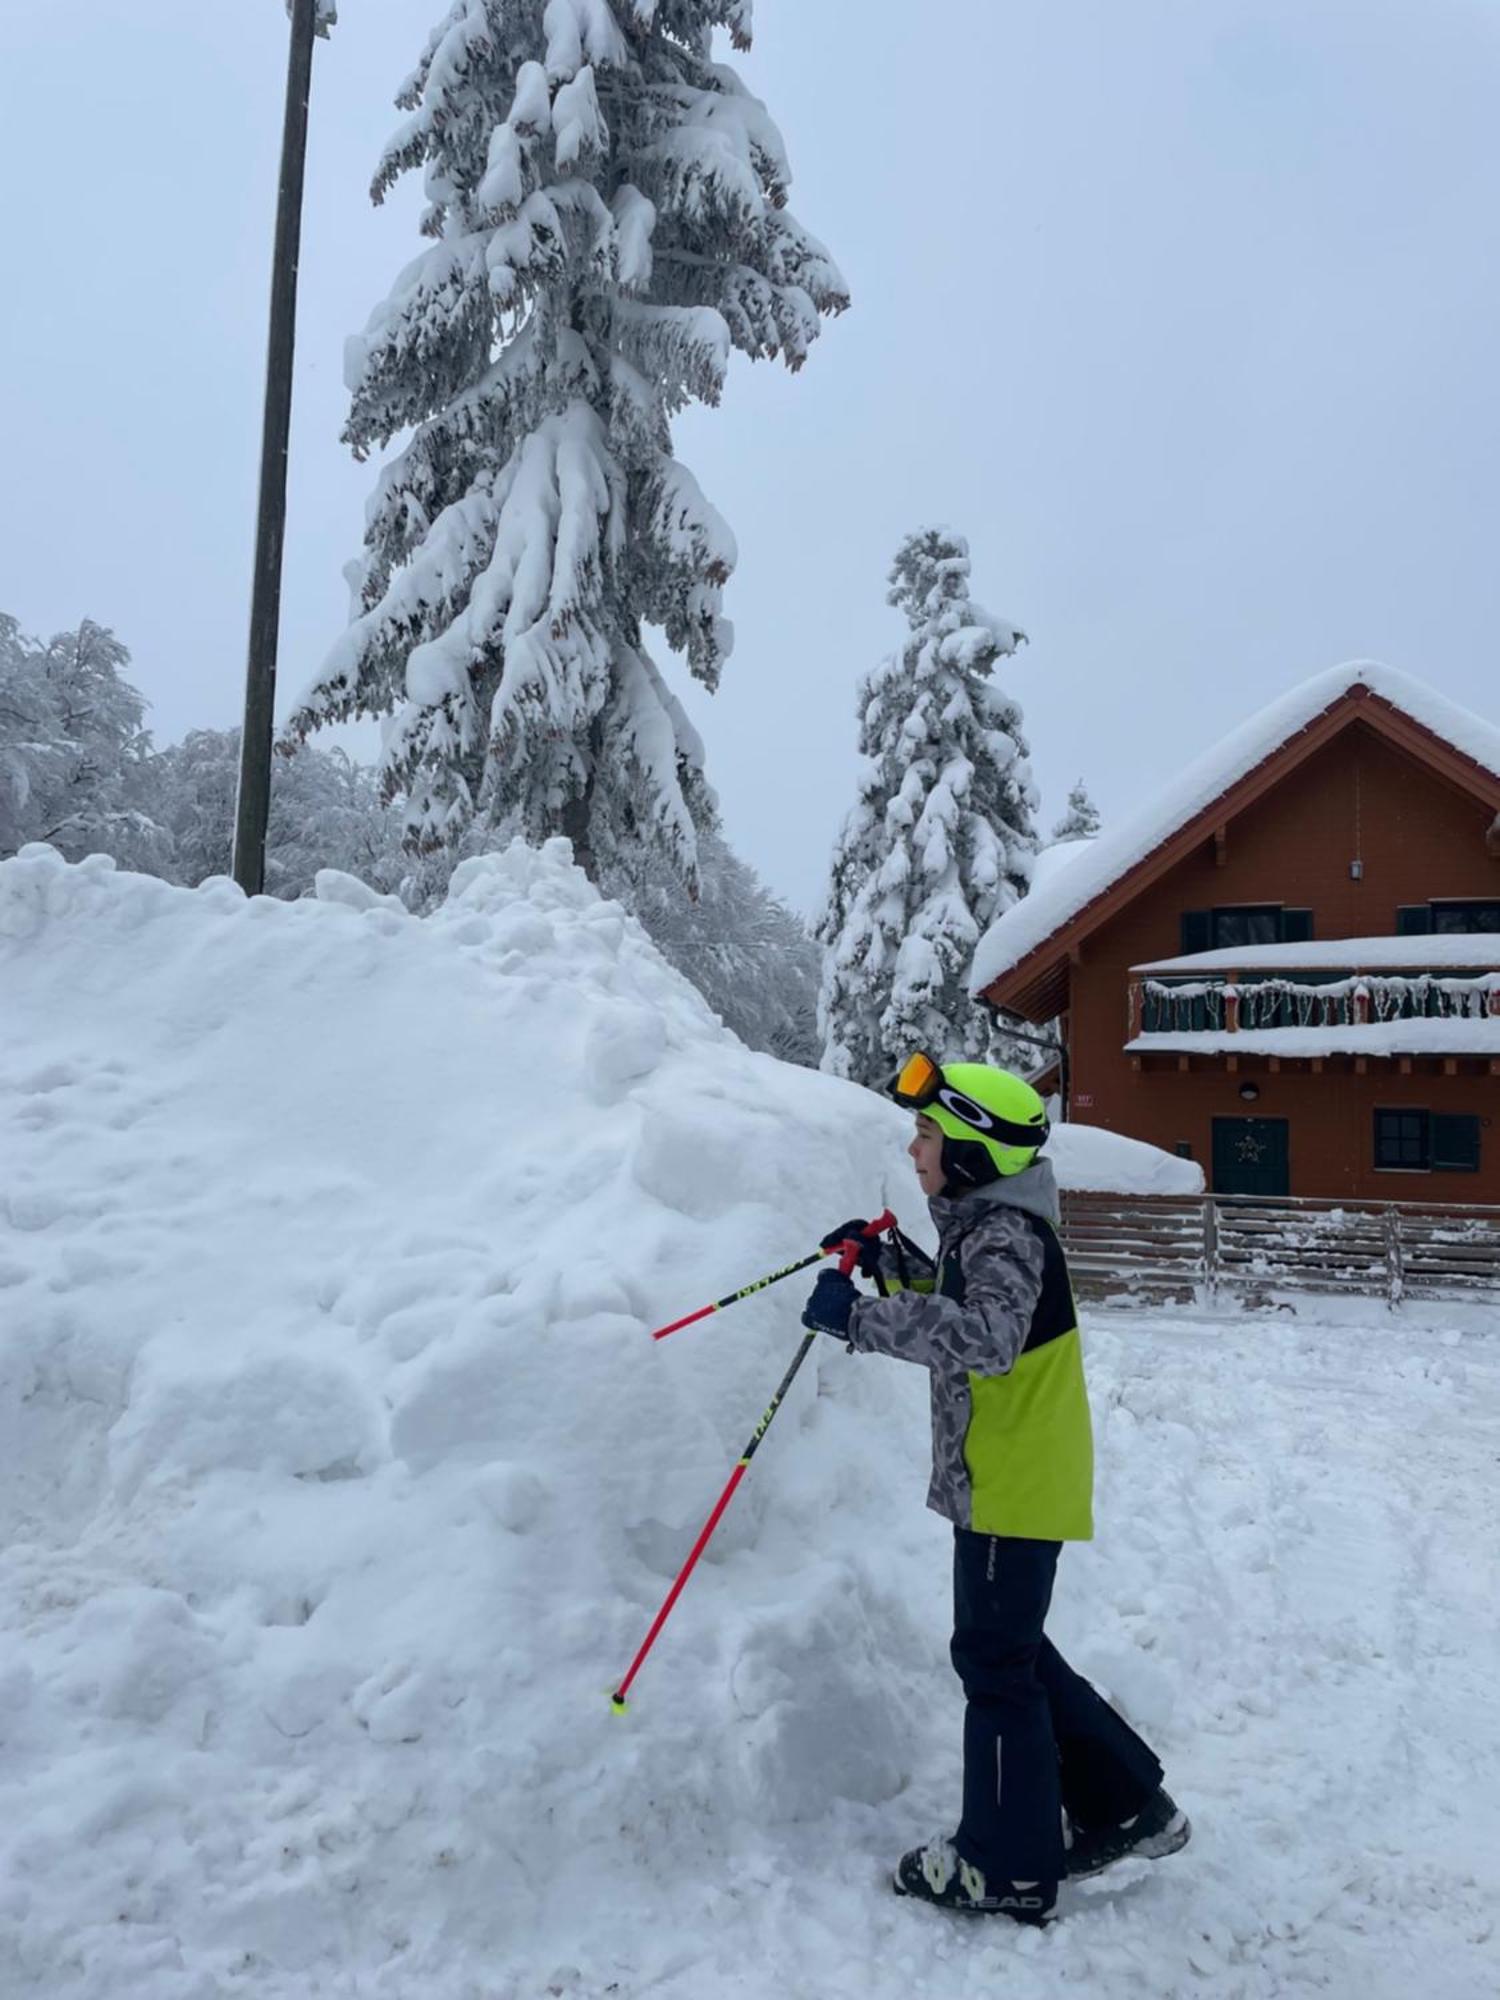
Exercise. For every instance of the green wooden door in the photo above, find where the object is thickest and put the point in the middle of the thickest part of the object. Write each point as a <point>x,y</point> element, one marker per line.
<point>1251,1156</point>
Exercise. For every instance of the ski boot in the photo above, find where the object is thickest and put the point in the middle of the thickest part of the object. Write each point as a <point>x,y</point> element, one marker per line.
<point>938,1873</point>
<point>1159,1828</point>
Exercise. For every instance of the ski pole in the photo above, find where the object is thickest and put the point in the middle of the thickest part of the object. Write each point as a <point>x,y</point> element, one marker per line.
<point>743,1293</point>
<point>848,1254</point>
<point>877,1227</point>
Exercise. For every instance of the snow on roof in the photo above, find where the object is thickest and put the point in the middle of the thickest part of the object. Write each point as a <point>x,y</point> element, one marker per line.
<point>1479,949</point>
<point>1030,922</point>
<point>1051,861</point>
<point>1374,1038</point>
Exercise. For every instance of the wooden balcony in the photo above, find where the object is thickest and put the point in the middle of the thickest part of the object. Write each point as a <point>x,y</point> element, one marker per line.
<point>1407,1009</point>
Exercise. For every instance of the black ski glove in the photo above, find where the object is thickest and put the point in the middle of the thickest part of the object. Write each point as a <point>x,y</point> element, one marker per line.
<point>833,1300</point>
<point>869,1254</point>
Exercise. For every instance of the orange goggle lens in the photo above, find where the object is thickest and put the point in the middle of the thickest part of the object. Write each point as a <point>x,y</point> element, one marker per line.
<point>917,1081</point>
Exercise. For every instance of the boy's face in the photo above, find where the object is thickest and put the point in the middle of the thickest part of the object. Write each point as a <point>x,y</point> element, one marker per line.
<point>926,1151</point>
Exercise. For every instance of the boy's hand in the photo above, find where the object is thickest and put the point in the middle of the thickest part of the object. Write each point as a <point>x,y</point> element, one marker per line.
<point>869,1256</point>
<point>832,1301</point>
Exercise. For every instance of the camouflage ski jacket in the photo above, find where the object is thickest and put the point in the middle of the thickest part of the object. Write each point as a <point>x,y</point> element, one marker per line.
<point>1012,1450</point>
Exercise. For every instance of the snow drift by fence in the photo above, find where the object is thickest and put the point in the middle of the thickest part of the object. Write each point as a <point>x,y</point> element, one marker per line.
<point>1245,1246</point>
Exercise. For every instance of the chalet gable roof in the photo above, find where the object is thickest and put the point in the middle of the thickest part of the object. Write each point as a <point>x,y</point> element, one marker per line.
<point>1019,959</point>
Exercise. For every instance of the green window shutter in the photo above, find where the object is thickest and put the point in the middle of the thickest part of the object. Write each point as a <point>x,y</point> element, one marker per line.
<point>1455,1143</point>
<point>1197,931</point>
<point>1296,926</point>
<point>1414,920</point>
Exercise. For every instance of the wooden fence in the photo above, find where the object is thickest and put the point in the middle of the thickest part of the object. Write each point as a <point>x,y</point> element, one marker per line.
<point>1247,1246</point>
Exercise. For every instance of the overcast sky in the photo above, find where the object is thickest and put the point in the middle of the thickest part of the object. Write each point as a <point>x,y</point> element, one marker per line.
<point>1185,313</point>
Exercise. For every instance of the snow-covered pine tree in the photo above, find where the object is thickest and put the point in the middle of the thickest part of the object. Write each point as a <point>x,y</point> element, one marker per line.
<point>1081,820</point>
<point>607,212</point>
<point>942,837</point>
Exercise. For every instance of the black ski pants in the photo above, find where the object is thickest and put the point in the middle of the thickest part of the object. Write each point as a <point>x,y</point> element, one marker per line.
<point>1037,1737</point>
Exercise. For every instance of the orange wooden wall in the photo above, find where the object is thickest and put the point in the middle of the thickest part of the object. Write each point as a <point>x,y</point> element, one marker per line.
<point>1419,839</point>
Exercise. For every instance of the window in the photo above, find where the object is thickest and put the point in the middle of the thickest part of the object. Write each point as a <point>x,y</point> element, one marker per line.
<point>1452,917</point>
<point>1236,924</point>
<point>1426,1142</point>
<point>1401,1140</point>
<point>1246,925</point>
<point>1463,919</point>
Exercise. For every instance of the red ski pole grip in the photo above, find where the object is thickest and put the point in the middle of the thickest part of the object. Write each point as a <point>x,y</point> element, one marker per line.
<point>849,1252</point>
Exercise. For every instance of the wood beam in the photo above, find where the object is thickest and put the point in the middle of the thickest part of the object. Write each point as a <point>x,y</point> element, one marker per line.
<point>1450,1065</point>
<point>1317,1065</point>
<point>1275,1065</point>
<point>1232,1065</point>
<point>1221,847</point>
<point>1405,1065</point>
<point>1184,1064</point>
<point>1361,1065</point>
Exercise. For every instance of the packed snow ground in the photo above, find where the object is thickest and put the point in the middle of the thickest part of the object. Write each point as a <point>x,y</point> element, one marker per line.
<point>339,1481</point>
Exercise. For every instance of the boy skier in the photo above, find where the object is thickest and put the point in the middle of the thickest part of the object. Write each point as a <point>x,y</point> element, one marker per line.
<point>995,1323</point>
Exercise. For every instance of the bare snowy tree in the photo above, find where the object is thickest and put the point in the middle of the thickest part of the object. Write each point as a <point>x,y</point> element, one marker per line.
<point>326,812</point>
<point>75,757</point>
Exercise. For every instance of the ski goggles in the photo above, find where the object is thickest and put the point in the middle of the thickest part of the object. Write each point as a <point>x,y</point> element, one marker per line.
<point>917,1082</point>
<point>920,1082</point>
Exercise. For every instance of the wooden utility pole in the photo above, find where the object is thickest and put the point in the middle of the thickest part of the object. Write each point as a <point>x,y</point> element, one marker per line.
<point>253,803</point>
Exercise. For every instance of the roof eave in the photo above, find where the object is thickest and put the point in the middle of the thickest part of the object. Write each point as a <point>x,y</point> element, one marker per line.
<point>1017,987</point>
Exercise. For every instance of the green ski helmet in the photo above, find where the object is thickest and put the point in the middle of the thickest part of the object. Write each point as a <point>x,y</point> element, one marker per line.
<point>993,1123</point>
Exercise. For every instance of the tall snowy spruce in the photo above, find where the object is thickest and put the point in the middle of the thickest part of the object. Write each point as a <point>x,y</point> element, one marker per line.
<point>942,838</point>
<point>607,212</point>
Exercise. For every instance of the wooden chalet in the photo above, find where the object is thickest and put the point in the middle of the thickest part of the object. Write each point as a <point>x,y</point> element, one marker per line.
<point>1288,967</point>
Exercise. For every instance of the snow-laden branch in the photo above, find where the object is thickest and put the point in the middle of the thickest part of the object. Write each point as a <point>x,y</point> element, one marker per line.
<point>607,223</point>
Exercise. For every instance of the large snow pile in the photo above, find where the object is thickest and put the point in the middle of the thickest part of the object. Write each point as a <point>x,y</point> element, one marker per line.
<point>339,1480</point>
<point>340,1474</point>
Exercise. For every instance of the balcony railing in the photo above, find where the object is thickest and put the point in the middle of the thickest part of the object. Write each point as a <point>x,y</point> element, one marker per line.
<point>1230,1003</point>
